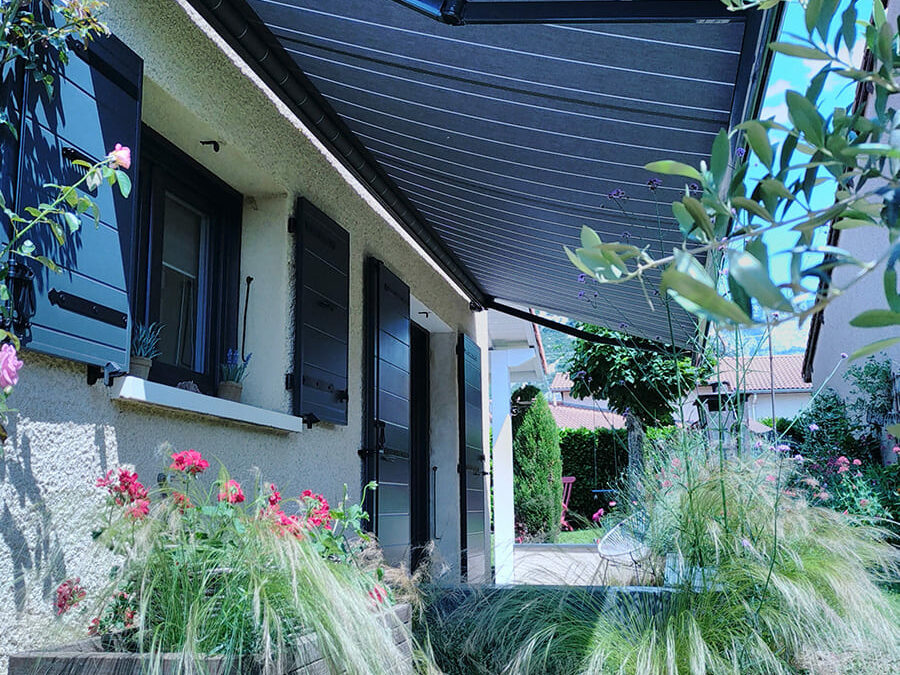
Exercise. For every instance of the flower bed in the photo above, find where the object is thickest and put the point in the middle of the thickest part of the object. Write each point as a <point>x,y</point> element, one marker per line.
<point>215,576</point>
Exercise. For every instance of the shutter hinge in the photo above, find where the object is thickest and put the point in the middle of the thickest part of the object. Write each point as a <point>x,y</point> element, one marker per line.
<point>292,225</point>
<point>107,373</point>
<point>460,468</point>
<point>289,381</point>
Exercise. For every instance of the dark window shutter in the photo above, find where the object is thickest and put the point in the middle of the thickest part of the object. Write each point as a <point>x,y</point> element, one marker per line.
<point>471,461</point>
<point>322,255</point>
<point>83,312</point>
<point>387,409</point>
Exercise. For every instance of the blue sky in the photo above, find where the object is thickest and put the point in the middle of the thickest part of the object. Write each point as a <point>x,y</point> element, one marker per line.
<point>787,74</point>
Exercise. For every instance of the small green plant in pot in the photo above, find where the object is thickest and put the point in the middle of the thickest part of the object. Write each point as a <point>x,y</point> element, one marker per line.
<point>144,348</point>
<point>233,370</point>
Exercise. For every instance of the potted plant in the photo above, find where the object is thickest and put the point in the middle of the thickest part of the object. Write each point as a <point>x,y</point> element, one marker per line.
<point>234,370</point>
<point>212,579</point>
<point>144,348</point>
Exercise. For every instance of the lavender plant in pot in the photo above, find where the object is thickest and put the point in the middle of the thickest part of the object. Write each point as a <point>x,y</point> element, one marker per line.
<point>144,348</point>
<point>234,370</point>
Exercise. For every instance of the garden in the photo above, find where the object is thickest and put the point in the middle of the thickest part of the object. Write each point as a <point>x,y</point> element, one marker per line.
<point>775,553</point>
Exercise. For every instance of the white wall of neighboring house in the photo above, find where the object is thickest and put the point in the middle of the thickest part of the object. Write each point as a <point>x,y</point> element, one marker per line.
<point>67,433</point>
<point>788,404</point>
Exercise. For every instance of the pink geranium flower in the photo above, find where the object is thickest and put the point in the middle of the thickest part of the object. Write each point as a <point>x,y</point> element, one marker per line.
<point>667,483</point>
<point>138,509</point>
<point>9,366</point>
<point>120,157</point>
<point>378,594</point>
<point>275,497</point>
<point>231,492</point>
<point>189,461</point>
<point>68,594</point>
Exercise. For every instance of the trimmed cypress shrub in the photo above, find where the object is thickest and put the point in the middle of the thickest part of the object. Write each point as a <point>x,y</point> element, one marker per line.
<point>537,468</point>
<point>577,448</point>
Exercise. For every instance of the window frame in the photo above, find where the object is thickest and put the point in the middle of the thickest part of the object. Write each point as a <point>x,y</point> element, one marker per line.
<point>165,169</point>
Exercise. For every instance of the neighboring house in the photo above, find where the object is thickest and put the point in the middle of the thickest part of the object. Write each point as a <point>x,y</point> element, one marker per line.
<point>580,413</point>
<point>762,385</point>
<point>752,376</point>
<point>340,189</point>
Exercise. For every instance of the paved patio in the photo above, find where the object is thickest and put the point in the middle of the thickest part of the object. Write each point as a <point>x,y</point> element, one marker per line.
<point>575,565</point>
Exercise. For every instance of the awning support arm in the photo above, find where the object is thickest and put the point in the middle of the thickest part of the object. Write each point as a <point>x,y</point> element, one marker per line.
<point>634,343</point>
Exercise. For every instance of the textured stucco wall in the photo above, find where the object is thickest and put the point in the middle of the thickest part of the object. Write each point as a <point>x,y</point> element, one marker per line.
<point>67,433</point>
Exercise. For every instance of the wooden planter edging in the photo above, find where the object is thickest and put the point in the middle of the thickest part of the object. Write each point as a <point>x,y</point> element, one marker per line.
<point>86,657</point>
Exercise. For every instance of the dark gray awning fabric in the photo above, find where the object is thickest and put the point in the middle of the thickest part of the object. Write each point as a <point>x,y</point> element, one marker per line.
<point>508,138</point>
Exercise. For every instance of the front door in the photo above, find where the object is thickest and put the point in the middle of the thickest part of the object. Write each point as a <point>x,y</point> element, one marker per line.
<point>387,441</point>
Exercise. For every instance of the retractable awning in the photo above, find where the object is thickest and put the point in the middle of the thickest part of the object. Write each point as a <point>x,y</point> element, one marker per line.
<point>493,144</point>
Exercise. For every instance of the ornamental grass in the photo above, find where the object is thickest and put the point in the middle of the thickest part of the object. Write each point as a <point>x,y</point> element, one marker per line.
<point>209,570</point>
<point>763,581</point>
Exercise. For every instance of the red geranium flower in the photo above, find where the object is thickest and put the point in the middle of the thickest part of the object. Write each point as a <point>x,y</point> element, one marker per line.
<point>189,461</point>
<point>231,492</point>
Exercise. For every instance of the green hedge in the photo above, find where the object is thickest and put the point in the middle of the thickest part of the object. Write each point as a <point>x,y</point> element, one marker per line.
<point>577,447</point>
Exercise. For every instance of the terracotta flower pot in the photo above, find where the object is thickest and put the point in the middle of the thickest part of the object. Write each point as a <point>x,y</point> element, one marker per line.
<point>230,391</point>
<point>140,366</point>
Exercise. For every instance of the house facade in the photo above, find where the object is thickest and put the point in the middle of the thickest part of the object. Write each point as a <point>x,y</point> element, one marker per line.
<point>347,321</point>
<point>314,185</point>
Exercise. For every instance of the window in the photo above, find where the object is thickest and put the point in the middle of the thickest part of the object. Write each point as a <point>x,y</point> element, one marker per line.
<point>187,263</point>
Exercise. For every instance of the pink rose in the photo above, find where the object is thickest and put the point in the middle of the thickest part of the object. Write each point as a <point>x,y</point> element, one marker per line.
<point>9,366</point>
<point>856,462</point>
<point>770,478</point>
<point>120,157</point>
<point>597,516</point>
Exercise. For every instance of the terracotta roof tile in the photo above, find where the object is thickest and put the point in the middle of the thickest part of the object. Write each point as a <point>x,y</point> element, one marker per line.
<point>561,382</point>
<point>574,417</point>
<point>753,375</point>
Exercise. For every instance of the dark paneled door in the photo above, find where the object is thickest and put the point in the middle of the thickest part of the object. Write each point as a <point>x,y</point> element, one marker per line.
<point>388,438</point>
<point>471,462</point>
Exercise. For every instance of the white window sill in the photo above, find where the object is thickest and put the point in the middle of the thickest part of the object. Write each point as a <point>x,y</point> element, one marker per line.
<point>136,390</point>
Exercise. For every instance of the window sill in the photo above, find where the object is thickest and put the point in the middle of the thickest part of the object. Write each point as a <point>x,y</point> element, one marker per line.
<point>136,390</point>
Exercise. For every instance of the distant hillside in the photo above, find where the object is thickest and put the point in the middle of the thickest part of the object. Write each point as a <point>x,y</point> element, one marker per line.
<point>557,347</point>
